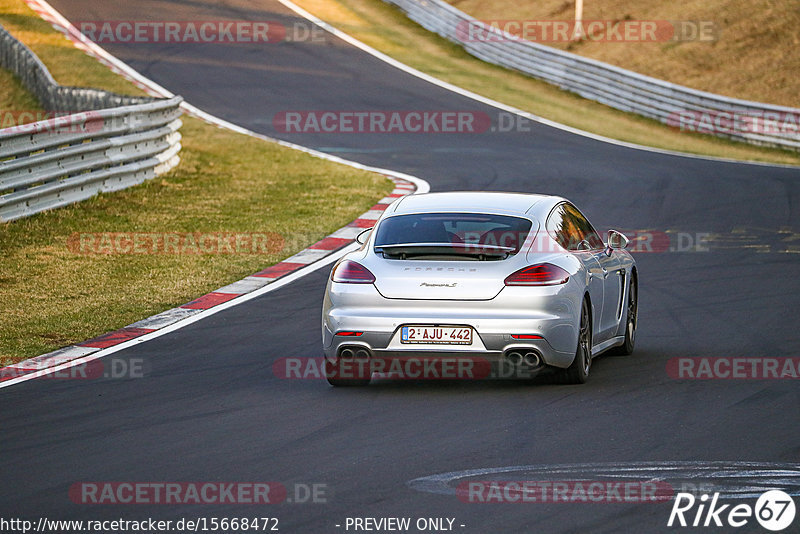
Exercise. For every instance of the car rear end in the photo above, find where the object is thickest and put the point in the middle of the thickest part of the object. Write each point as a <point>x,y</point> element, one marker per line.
<point>477,308</point>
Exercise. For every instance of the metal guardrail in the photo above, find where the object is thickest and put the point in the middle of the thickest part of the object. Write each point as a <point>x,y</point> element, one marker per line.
<point>55,162</point>
<point>113,142</point>
<point>33,74</point>
<point>616,87</point>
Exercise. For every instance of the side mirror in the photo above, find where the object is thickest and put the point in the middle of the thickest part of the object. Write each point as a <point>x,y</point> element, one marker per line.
<point>616,241</point>
<point>363,236</point>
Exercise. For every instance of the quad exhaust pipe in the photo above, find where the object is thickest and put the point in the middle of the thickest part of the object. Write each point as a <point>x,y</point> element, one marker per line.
<point>527,358</point>
<point>354,352</point>
<point>514,358</point>
<point>532,359</point>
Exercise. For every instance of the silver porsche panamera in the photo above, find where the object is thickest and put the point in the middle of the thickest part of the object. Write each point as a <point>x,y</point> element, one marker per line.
<point>447,282</point>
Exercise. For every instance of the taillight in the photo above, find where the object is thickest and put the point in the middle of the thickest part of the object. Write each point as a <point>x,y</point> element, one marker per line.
<point>350,272</point>
<point>544,274</point>
<point>525,336</point>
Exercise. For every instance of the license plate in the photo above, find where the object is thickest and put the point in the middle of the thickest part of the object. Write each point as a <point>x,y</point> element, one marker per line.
<point>444,335</point>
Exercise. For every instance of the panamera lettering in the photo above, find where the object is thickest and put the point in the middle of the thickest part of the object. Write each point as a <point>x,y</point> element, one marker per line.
<point>426,284</point>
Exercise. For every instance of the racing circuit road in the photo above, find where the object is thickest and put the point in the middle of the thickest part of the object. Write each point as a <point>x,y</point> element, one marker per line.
<point>209,407</point>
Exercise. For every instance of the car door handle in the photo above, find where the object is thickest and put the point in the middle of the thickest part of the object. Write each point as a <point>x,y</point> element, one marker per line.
<point>605,273</point>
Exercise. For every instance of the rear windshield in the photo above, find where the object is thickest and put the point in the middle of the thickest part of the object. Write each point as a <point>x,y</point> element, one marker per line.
<point>498,236</point>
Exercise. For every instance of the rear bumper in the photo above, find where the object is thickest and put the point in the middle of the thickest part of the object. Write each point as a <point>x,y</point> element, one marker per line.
<point>375,344</point>
<point>548,311</point>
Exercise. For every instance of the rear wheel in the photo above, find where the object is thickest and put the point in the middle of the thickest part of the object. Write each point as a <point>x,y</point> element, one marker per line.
<point>578,371</point>
<point>630,320</point>
<point>334,375</point>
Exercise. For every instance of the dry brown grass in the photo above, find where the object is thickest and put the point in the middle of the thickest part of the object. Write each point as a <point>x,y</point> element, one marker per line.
<point>389,30</point>
<point>14,99</point>
<point>756,55</point>
<point>68,65</point>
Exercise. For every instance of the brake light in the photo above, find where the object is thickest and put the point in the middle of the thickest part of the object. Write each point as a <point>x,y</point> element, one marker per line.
<point>349,333</point>
<point>544,274</point>
<point>350,272</point>
<point>525,336</point>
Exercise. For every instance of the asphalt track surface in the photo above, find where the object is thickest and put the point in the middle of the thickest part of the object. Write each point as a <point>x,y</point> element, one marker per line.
<point>211,409</point>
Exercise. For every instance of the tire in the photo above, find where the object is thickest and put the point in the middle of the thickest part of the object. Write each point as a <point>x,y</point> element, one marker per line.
<point>331,372</point>
<point>631,318</point>
<point>578,371</point>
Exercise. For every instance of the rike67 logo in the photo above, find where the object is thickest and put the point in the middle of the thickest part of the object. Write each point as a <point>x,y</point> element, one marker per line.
<point>774,510</point>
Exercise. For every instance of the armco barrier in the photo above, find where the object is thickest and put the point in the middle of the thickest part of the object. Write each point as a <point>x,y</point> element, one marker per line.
<point>55,162</point>
<point>616,87</point>
<point>112,142</point>
<point>33,74</point>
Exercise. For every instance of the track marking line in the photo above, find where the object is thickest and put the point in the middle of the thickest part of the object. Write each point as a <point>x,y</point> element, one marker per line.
<point>306,261</point>
<point>278,284</point>
<point>499,105</point>
<point>738,480</point>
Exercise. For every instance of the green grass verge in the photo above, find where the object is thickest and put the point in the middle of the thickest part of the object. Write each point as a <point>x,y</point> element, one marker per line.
<point>68,65</point>
<point>52,295</point>
<point>387,29</point>
<point>15,101</point>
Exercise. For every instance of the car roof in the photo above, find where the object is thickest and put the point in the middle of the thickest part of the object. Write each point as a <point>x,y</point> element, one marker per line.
<point>477,201</point>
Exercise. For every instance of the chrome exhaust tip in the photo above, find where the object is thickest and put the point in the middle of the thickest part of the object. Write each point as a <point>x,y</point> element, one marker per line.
<point>532,359</point>
<point>346,353</point>
<point>514,358</point>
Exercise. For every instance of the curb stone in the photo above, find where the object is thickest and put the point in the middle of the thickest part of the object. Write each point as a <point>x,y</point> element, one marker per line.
<point>319,250</point>
<point>315,252</point>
